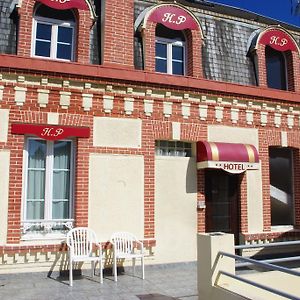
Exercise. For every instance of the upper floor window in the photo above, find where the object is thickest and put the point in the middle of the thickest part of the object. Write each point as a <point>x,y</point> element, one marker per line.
<point>276,69</point>
<point>169,51</point>
<point>53,33</point>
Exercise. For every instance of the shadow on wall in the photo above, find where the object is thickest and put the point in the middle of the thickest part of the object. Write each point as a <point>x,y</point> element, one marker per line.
<point>191,176</point>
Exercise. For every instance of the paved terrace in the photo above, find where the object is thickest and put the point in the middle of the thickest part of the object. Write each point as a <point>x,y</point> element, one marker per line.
<point>162,282</point>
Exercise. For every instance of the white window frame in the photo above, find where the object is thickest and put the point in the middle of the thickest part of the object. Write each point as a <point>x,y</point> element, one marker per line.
<point>47,223</point>
<point>54,34</point>
<point>170,43</point>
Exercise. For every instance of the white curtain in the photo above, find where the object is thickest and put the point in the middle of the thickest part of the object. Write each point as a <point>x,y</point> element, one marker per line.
<point>61,180</point>
<point>36,179</point>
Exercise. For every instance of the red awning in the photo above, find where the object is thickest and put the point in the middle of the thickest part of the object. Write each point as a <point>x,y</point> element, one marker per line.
<point>51,132</point>
<point>278,40</point>
<point>173,17</point>
<point>65,4</point>
<point>231,157</point>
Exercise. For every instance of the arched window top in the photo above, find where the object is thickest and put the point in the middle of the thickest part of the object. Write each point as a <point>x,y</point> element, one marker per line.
<point>274,37</point>
<point>167,33</point>
<point>276,68</point>
<point>48,12</point>
<point>172,16</point>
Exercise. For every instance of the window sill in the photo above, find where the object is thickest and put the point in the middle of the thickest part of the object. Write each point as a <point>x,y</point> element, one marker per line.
<point>46,238</point>
<point>282,228</point>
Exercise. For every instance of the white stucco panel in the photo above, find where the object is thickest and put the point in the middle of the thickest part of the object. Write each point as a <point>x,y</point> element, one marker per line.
<point>175,209</point>
<point>4,114</point>
<point>115,132</point>
<point>254,201</point>
<point>227,134</point>
<point>116,194</point>
<point>4,183</point>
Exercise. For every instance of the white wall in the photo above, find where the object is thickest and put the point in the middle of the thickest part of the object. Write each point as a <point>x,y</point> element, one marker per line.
<point>4,113</point>
<point>115,132</point>
<point>175,209</point>
<point>116,194</point>
<point>4,182</point>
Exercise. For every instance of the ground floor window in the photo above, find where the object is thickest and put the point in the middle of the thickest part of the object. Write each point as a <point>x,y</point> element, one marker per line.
<point>281,186</point>
<point>48,195</point>
<point>173,148</point>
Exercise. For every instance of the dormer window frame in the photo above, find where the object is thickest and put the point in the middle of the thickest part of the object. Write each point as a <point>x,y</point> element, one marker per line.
<point>170,43</point>
<point>55,26</point>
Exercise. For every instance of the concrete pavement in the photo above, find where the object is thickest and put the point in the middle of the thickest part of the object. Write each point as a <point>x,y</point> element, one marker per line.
<point>162,282</point>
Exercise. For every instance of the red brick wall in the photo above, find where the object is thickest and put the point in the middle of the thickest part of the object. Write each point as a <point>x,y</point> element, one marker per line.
<point>118,33</point>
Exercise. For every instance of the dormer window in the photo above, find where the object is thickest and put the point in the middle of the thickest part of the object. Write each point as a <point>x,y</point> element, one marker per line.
<point>169,51</point>
<point>53,33</point>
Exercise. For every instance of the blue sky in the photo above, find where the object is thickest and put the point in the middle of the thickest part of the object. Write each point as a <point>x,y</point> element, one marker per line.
<point>282,10</point>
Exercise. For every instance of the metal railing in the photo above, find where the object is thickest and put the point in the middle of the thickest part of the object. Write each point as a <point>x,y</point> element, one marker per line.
<point>269,245</point>
<point>264,265</point>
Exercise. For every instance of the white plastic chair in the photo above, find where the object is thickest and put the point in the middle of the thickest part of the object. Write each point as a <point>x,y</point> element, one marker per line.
<point>124,245</point>
<point>80,242</point>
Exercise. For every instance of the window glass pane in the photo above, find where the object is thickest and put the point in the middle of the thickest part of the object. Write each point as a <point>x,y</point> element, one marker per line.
<point>43,31</point>
<point>161,65</point>
<point>173,148</point>
<point>42,48</point>
<point>62,153</point>
<point>36,179</point>
<point>161,50</point>
<point>36,154</point>
<point>61,179</point>
<point>64,51</point>
<point>35,210</point>
<point>61,184</point>
<point>36,184</point>
<point>65,35</point>
<point>177,53</point>
<point>43,40</point>
<point>60,210</point>
<point>177,68</point>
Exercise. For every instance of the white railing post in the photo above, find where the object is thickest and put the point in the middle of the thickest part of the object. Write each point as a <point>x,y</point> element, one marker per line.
<point>209,262</point>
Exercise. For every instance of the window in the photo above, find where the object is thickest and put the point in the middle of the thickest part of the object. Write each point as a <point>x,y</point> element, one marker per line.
<point>281,186</point>
<point>53,34</point>
<point>276,69</point>
<point>48,183</point>
<point>169,51</point>
<point>173,148</point>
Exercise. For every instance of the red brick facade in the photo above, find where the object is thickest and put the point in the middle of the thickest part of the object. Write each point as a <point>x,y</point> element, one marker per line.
<point>117,74</point>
